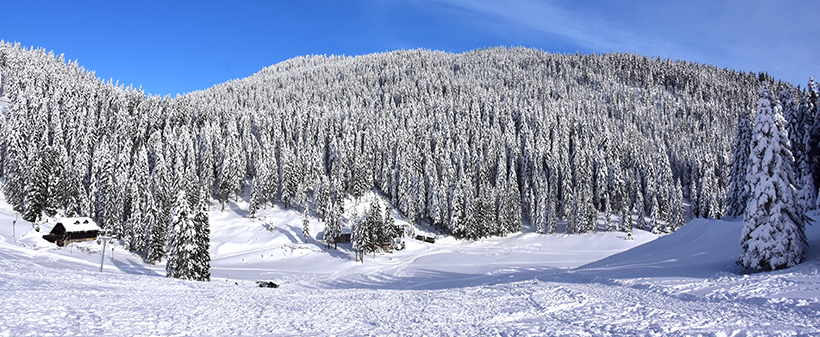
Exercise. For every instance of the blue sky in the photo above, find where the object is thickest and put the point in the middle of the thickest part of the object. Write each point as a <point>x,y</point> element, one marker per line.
<point>182,46</point>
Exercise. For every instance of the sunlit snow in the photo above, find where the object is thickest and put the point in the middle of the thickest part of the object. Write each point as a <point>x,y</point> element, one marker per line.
<point>523,284</point>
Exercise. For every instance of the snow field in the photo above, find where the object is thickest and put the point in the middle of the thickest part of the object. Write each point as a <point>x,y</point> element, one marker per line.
<point>685,283</point>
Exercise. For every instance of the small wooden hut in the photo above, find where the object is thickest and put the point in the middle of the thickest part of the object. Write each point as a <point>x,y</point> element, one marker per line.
<point>67,230</point>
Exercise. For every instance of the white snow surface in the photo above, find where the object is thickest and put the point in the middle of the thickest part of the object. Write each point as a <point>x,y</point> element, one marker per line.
<point>599,284</point>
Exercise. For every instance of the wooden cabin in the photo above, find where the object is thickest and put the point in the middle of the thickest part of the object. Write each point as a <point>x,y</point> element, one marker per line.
<point>344,238</point>
<point>68,230</point>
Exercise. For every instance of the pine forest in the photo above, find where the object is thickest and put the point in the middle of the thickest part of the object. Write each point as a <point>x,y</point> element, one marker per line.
<point>477,144</point>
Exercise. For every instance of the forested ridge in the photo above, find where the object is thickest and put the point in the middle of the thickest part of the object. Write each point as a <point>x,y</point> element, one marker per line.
<point>478,144</point>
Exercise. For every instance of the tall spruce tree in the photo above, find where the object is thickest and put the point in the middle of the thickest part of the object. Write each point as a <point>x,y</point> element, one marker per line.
<point>773,234</point>
<point>184,246</point>
<point>156,232</point>
<point>738,195</point>
<point>255,199</point>
<point>808,166</point>
<point>202,225</point>
<point>676,208</point>
<point>305,224</point>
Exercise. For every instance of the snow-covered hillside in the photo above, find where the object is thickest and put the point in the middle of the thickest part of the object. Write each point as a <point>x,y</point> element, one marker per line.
<point>523,284</point>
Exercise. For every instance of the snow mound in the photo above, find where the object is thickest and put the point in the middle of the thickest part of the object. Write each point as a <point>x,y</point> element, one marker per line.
<point>34,240</point>
<point>701,249</point>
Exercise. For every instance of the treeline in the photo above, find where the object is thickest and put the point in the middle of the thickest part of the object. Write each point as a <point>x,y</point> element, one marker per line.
<point>477,144</point>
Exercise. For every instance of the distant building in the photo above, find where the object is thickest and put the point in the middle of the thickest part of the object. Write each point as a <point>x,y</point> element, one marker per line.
<point>67,230</point>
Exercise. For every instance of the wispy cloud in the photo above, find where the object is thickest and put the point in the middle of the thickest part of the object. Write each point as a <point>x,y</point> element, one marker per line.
<point>773,36</point>
<point>586,27</point>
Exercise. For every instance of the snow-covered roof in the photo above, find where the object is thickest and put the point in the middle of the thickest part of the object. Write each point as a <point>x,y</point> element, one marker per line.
<point>81,224</point>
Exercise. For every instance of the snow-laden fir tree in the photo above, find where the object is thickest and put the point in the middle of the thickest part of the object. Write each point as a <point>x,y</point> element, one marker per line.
<point>676,209</point>
<point>638,207</point>
<point>607,213</point>
<point>626,218</point>
<point>358,239</point>
<point>202,224</point>
<point>552,203</point>
<point>305,224</point>
<point>510,213</point>
<point>654,224</point>
<point>377,232</point>
<point>808,166</point>
<point>333,224</point>
<point>738,195</point>
<point>253,208</point>
<point>184,247</point>
<point>155,232</point>
<point>540,213</point>
<point>773,234</point>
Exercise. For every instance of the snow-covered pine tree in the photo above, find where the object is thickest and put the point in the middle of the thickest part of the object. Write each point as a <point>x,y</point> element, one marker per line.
<point>60,168</point>
<point>458,218</point>
<point>540,213</point>
<point>305,224</point>
<point>808,166</point>
<point>469,228</point>
<point>321,198</point>
<point>156,232</point>
<point>36,191</point>
<point>431,199</point>
<point>205,170</point>
<point>358,239</point>
<point>626,218</point>
<point>333,225</point>
<point>363,173</point>
<point>773,234</point>
<point>202,225</point>
<point>638,208</point>
<point>695,188</point>
<point>552,203</point>
<point>512,206</point>
<point>655,225</point>
<point>140,190</point>
<point>229,177</point>
<point>112,221</point>
<point>136,240</point>
<point>487,215</point>
<point>183,247</point>
<point>14,168</point>
<point>255,197</point>
<point>607,212</point>
<point>738,195</point>
<point>676,209</point>
<point>377,232</point>
<point>794,125</point>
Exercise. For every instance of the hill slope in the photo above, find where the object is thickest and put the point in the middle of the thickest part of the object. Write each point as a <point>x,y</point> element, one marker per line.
<point>477,144</point>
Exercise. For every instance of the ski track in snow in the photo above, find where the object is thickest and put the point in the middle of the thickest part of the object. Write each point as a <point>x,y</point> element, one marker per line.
<point>39,300</point>
<point>680,284</point>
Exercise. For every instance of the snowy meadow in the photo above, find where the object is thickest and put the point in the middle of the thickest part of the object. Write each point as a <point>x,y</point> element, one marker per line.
<point>685,283</point>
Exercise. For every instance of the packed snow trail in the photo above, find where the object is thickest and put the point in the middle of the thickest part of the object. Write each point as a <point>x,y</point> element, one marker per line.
<point>39,300</point>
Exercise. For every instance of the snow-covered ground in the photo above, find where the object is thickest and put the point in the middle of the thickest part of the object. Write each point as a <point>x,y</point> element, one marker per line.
<point>525,284</point>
